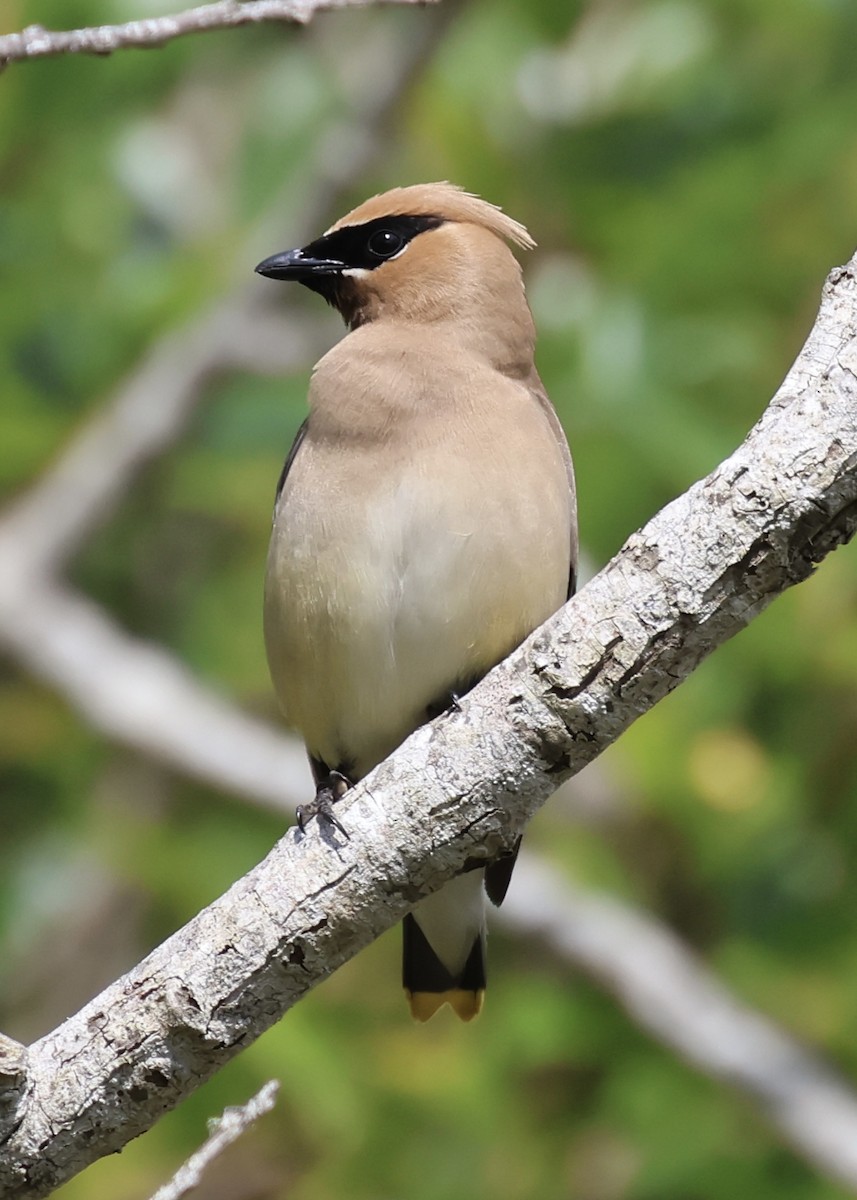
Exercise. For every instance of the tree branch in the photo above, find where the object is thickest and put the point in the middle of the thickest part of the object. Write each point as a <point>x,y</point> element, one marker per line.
<point>460,789</point>
<point>13,1082</point>
<point>224,1131</point>
<point>154,32</point>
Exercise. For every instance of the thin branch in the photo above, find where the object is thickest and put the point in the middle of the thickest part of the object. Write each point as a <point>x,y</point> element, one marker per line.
<point>224,1131</point>
<point>460,790</point>
<point>154,32</point>
<point>666,990</point>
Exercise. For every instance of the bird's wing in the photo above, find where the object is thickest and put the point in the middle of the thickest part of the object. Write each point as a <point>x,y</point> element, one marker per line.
<point>498,874</point>
<point>542,399</point>
<point>290,458</point>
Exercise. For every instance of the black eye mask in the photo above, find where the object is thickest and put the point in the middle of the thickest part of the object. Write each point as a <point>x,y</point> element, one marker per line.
<point>367,246</point>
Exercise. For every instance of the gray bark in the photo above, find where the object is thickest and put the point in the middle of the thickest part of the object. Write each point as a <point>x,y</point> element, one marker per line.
<point>13,1083</point>
<point>459,790</point>
<point>153,32</point>
<point>223,1132</point>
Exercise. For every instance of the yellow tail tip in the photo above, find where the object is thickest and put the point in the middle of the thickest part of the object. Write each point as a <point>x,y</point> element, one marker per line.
<point>466,1005</point>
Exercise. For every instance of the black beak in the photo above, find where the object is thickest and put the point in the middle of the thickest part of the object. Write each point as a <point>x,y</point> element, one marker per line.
<point>298,265</point>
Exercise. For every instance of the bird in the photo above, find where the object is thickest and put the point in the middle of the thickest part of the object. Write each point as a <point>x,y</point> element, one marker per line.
<point>425,520</point>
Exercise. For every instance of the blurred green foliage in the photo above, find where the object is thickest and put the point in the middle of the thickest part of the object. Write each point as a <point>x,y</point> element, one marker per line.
<point>689,168</point>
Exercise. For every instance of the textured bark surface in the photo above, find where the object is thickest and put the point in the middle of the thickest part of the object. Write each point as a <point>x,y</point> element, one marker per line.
<point>460,790</point>
<point>13,1083</point>
<point>153,32</point>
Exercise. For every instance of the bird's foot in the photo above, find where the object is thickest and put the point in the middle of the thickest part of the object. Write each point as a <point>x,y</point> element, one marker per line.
<point>330,790</point>
<point>445,706</point>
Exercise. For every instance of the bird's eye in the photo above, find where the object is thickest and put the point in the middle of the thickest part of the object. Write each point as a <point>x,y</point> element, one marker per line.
<point>384,243</point>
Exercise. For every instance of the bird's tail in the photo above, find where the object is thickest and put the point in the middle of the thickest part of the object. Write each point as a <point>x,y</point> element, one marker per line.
<point>429,985</point>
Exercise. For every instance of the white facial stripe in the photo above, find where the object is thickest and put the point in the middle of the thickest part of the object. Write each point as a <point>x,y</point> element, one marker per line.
<point>362,272</point>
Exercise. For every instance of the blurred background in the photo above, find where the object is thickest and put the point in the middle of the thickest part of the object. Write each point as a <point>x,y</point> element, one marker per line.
<point>689,170</point>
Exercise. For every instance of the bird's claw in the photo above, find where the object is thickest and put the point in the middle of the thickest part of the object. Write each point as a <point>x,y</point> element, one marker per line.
<point>446,706</point>
<point>332,789</point>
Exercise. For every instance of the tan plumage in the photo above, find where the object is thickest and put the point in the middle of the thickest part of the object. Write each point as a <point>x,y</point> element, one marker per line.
<point>426,519</point>
<point>430,199</point>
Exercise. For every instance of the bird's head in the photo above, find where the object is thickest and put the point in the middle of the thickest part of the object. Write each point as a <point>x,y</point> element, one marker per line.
<point>427,253</point>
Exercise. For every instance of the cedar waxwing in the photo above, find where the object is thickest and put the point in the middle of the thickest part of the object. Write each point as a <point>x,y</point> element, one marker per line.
<point>425,518</point>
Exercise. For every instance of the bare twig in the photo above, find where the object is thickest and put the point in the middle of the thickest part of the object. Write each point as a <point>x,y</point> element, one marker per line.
<point>667,991</point>
<point>224,1131</point>
<point>154,32</point>
<point>460,789</point>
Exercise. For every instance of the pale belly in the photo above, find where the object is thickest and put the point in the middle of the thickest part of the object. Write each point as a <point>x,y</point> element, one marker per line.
<point>377,609</point>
